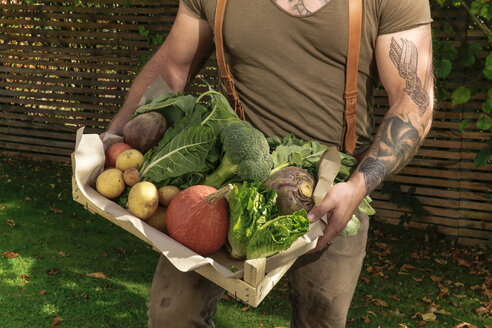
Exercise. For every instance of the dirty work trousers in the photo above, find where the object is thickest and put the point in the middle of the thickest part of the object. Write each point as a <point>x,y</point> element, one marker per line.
<point>322,285</point>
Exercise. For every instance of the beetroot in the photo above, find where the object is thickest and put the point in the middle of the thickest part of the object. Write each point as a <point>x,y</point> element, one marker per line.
<point>145,131</point>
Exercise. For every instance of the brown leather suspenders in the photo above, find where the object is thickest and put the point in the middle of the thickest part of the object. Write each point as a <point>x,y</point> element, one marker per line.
<point>350,95</point>
<point>224,70</point>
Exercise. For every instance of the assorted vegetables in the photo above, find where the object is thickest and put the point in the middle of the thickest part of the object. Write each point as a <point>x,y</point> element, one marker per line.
<point>174,177</point>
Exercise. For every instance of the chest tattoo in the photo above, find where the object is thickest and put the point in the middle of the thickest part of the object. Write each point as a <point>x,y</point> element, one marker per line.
<point>301,7</point>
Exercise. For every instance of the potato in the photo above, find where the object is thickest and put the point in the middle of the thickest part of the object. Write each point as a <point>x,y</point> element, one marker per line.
<point>131,176</point>
<point>158,219</point>
<point>143,199</point>
<point>129,158</point>
<point>114,151</point>
<point>110,183</point>
<point>167,193</point>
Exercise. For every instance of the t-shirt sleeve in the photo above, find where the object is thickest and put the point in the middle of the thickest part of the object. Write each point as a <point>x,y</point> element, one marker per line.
<point>401,15</point>
<point>195,6</point>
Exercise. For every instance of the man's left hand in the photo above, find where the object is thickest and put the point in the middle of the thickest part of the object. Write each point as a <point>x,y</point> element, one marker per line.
<point>339,205</point>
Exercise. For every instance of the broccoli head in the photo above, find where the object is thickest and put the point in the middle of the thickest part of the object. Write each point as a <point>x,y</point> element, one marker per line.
<point>245,155</point>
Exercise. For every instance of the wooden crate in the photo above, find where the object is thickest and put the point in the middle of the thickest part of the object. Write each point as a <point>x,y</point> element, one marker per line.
<point>252,288</point>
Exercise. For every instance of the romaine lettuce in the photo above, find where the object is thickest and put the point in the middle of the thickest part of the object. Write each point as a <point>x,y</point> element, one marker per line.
<point>250,205</point>
<point>277,234</point>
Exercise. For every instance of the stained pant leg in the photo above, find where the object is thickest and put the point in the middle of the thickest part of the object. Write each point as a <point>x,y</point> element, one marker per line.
<point>323,283</point>
<point>181,299</point>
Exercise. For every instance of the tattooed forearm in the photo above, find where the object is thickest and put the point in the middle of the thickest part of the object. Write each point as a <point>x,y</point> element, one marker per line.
<point>396,142</point>
<point>405,58</point>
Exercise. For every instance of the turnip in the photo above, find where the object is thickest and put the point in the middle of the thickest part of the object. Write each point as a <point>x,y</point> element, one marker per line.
<point>294,187</point>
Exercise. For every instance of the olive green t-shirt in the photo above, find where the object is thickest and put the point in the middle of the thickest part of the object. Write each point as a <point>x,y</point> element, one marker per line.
<point>290,70</point>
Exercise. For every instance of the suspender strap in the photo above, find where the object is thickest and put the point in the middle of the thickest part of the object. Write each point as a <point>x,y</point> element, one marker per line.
<point>224,69</point>
<point>350,95</point>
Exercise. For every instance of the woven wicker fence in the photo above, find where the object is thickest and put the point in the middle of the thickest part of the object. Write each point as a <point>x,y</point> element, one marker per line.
<point>67,66</point>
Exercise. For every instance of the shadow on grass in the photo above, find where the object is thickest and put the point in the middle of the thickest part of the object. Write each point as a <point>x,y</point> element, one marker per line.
<point>55,246</point>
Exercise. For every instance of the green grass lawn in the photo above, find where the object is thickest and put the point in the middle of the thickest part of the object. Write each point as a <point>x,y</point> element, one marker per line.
<point>61,266</point>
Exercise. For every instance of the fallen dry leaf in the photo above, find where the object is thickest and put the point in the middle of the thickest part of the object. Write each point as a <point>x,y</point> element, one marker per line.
<point>435,278</point>
<point>25,277</point>
<point>11,223</point>
<point>42,291</point>
<point>381,245</point>
<point>444,291</point>
<point>56,321</point>
<point>61,254</point>
<point>379,302</point>
<point>421,323</point>
<point>246,308</point>
<point>406,267</point>
<point>443,312</point>
<point>462,262</point>
<point>465,325</point>
<point>99,275</point>
<point>396,312</point>
<point>427,300</point>
<point>429,317</point>
<point>482,310</point>
<point>55,210</point>
<point>10,255</point>
<point>53,271</point>
<point>441,261</point>
<point>431,308</point>
<point>366,319</point>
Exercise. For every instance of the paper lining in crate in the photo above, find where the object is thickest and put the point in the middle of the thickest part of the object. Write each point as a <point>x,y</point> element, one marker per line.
<point>249,281</point>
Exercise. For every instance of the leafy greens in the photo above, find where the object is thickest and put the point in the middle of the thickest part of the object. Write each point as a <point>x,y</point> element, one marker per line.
<point>256,229</point>
<point>189,148</point>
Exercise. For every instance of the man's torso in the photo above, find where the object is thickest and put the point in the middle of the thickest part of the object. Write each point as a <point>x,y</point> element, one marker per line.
<point>288,59</point>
